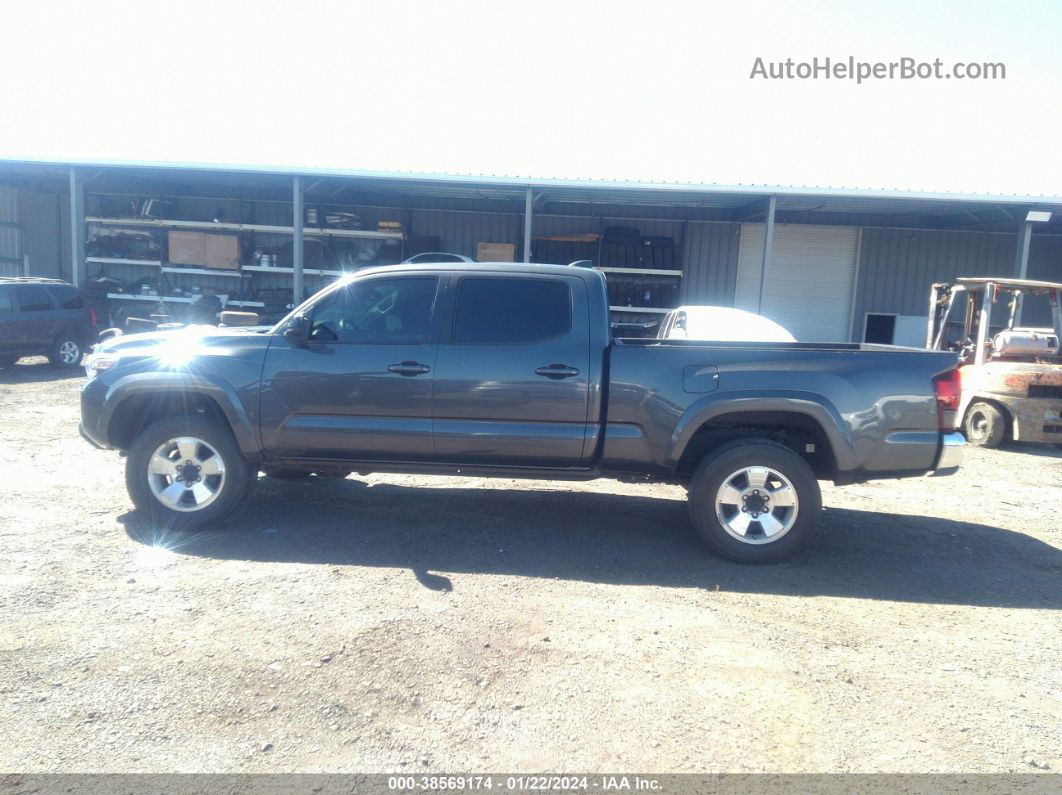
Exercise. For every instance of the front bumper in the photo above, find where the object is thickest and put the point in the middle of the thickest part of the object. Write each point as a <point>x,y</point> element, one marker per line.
<point>84,435</point>
<point>950,456</point>
<point>93,395</point>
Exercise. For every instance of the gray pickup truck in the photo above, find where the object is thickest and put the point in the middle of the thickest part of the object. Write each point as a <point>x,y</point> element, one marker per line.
<point>512,371</point>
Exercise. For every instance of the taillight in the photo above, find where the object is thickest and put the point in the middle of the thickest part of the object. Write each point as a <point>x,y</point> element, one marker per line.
<point>948,388</point>
<point>92,315</point>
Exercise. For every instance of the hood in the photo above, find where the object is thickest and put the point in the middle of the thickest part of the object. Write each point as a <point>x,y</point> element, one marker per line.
<point>191,336</point>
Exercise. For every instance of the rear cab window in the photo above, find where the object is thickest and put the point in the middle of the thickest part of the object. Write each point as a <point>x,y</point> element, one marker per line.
<point>511,311</point>
<point>7,303</point>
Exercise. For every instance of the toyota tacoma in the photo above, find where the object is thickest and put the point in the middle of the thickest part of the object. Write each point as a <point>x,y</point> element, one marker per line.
<point>512,370</point>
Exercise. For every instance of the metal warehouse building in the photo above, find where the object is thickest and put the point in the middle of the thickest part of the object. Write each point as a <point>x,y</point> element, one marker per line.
<point>830,264</point>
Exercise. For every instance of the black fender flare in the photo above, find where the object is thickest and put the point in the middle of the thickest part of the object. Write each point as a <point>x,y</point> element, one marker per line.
<point>815,407</point>
<point>176,383</point>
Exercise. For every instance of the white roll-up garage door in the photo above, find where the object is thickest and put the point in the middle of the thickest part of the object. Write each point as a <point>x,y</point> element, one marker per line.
<point>809,282</point>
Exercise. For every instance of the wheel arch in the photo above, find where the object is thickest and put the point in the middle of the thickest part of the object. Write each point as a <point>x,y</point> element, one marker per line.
<point>794,422</point>
<point>73,331</point>
<point>136,401</point>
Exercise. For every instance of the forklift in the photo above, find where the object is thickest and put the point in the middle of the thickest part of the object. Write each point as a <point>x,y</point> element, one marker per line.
<point>1011,372</point>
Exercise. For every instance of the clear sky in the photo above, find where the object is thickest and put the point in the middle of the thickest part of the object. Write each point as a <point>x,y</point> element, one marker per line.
<point>618,90</point>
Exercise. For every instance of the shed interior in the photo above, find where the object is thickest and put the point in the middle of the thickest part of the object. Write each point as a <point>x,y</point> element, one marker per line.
<point>153,237</point>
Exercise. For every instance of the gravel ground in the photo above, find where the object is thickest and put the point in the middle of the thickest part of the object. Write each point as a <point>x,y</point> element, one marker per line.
<point>400,623</point>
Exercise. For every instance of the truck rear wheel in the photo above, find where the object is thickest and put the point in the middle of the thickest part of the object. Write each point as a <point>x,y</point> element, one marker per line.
<point>985,425</point>
<point>186,473</point>
<point>755,501</point>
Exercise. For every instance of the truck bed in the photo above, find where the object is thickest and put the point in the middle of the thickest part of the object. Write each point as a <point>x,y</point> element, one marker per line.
<point>875,404</point>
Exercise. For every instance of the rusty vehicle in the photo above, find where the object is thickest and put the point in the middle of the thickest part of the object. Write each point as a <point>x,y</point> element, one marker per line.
<point>1010,370</point>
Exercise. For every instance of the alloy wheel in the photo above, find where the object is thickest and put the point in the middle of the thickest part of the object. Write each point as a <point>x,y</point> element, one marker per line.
<point>69,352</point>
<point>756,505</point>
<point>186,474</point>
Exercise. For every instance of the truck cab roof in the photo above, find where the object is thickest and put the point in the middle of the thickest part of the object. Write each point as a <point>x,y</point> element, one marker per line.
<point>494,267</point>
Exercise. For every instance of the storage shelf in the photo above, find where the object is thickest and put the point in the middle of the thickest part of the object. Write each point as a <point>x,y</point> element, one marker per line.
<point>654,310</point>
<point>224,226</point>
<point>641,271</point>
<point>199,271</point>
<point>324,231</point>
<point>306,271</point>
<point>123,261</point>
<point>177,299</point>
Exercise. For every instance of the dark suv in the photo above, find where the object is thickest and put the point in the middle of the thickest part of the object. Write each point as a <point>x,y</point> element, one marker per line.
<point>44,317</point>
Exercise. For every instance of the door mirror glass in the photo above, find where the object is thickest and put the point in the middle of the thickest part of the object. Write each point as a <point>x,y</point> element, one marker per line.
<point>298,330</point>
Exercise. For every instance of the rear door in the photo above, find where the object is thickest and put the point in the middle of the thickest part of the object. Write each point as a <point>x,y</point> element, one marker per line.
<point>37,316</point>
<point>72,310</point>
<point>512,381</point>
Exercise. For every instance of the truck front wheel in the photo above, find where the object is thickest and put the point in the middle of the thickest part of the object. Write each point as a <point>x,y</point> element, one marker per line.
<point>755,501</point>
<point>187,472</point>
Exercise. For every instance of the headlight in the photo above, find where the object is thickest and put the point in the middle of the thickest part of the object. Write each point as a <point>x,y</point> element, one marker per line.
<point>96,363</point>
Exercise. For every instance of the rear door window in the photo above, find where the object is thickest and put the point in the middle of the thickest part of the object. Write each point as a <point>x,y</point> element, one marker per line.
<point>500,311</point>
<point>33,298</point>
<point>67,297</point>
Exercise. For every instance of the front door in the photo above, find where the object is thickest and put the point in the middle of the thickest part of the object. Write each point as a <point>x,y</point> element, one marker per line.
<point>38,319</point>
<point>360,388</point>
<point>512,382</point>
<point>10,329</point>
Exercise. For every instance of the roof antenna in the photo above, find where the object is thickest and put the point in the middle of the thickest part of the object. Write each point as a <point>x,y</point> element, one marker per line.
<point>581,263</point>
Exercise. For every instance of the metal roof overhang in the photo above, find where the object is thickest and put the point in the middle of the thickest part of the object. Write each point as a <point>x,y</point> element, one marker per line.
<point>741,202</point>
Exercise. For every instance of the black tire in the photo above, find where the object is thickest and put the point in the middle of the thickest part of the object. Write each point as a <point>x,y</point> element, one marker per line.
<point>722,466</point>
<point>984,425</point>
<point>236,486</point>
<point>8,361</point>
<point>67,350</point>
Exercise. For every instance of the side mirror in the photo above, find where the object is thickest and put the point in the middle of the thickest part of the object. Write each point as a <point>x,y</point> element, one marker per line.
<point>298,331</point>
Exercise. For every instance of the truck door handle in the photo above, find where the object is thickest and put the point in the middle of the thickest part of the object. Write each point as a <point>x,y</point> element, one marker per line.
<point>557,371</point>
<point>409,368</point>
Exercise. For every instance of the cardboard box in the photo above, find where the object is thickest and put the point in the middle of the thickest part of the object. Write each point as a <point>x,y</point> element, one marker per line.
<point>222,251</point>
<point>204,249</point>
<point>496,252</point>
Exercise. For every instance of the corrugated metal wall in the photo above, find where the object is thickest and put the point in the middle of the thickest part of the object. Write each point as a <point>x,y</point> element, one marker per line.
<point>10,243</point>
<point>568,225</point>
<point>707,250</point>
<point>42,237</point>
<point>709,259</point>
<point>897,266</point>
<point>1045,259</point>
<point>458,232</point>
